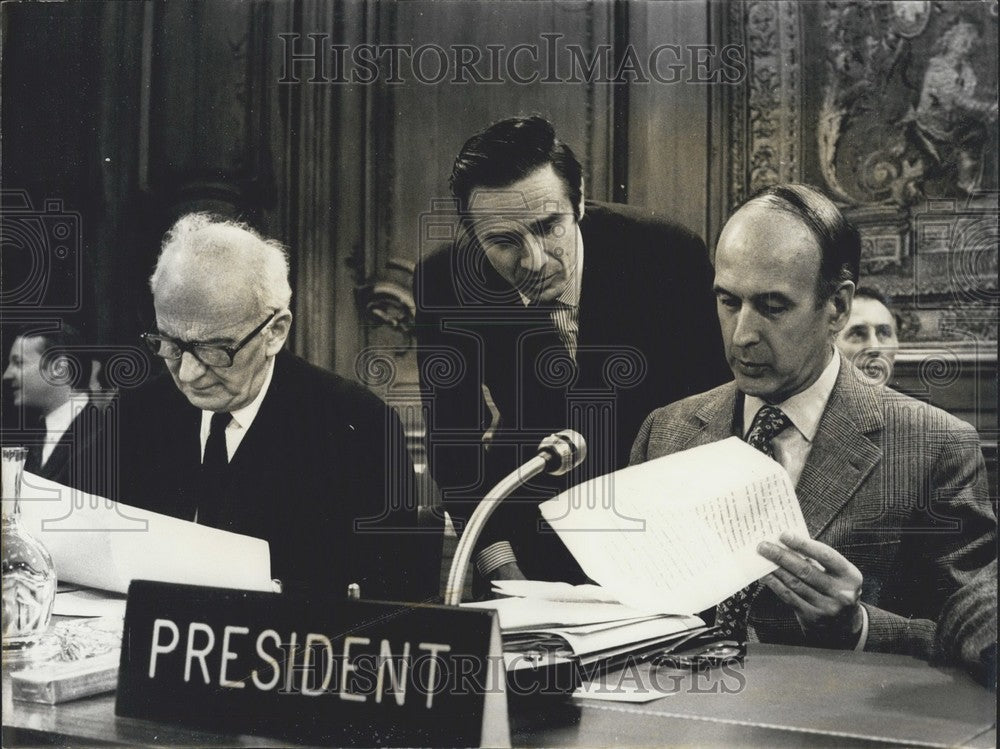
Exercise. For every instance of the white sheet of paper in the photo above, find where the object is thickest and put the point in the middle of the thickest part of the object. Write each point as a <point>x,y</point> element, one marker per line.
<point>642,630</point>
<point>552,591</point>
<point>102,544</point>
<point>529,613</point>
<point>679,534</point>
<point>89,602</point>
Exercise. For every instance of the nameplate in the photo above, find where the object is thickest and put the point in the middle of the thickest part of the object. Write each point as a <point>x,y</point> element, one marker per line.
<point>312,668</point>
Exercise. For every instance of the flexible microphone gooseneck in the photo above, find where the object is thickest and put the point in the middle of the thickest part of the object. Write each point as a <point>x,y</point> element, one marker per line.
<point>558,453</point>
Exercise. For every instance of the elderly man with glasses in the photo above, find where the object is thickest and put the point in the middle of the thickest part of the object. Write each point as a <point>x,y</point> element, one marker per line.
<point>246,437</point>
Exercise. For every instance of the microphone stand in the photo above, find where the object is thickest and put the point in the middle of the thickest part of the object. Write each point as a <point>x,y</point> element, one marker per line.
<point>482,513</point>
<point>565,450</point>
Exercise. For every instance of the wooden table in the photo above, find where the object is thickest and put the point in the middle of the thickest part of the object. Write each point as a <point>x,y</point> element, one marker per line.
<point>783,696</point>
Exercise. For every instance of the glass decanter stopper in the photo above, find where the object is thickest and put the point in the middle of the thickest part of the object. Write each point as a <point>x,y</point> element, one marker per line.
<point>29,577</point>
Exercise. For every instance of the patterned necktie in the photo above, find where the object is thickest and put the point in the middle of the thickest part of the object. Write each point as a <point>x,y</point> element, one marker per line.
<point>214,467</point>
<point>731,615</point>
<point>564,319</point>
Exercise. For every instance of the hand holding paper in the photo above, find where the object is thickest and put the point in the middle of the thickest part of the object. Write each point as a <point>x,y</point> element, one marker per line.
<point>679,533</point>
<point>820,585</point>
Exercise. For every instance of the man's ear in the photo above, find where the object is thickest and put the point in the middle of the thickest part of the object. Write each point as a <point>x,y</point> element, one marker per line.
<point>583,199</point>
<point>840,303</point>
<point>277,332</point>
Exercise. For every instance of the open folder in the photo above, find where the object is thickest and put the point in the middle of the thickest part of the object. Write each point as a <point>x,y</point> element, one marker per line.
<point>102,544</point>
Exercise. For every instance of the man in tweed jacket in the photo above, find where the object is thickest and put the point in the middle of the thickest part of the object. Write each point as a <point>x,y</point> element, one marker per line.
<point>893,490</point>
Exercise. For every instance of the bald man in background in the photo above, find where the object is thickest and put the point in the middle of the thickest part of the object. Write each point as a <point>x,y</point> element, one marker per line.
<point>243,436</point>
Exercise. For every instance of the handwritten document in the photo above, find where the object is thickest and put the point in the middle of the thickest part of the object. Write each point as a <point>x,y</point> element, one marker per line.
<point>679,534</point>
<point>102,544</point>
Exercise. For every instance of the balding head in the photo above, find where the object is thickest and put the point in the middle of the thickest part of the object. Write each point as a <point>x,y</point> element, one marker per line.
<point>223,262</point>
<point>784,269</point>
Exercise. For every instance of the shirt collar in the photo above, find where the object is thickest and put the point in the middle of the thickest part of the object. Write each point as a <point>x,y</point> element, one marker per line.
<point>570,296</point>
<point>243,417</point>
<point>60,419</point>
<point>803,409</point>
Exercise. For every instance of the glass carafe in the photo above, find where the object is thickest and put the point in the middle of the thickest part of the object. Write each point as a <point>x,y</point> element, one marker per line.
<point>29,577</point>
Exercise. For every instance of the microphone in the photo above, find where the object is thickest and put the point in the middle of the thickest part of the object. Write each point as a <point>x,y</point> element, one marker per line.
<point>563,451</point>
<point>559,453</point>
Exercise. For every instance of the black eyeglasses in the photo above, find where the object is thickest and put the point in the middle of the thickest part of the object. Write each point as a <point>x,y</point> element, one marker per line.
<point>209,354</point>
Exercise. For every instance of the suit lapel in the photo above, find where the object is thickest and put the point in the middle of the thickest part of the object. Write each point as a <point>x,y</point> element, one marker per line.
<point>601,322</point>
<point>713,420</point>
<point>260,435</point>
<point>844,451</point>
<point>57,466</point>
<point>591,274</point>
<point>187,467</point>
<point>718,415</point>
<point>54,466</point>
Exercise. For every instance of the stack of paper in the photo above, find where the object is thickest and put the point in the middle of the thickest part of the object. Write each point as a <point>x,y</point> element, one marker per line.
<point>588,630</point>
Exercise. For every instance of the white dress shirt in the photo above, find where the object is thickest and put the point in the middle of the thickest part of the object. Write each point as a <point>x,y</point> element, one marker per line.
<point>804,410</point>
<point>57,423</point>
<point>236,430</point>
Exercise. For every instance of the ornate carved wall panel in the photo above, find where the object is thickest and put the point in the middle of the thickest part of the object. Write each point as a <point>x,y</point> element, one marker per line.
<point>891,108</point>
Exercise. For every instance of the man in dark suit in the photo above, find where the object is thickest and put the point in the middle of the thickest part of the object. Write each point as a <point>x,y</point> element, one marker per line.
<point>893,491</point>
<point>547,313</point>
<point>246,437</point>
<point>47,373</point>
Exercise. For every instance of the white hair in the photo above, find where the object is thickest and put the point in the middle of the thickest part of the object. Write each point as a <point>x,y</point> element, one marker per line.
<point>200,242</point>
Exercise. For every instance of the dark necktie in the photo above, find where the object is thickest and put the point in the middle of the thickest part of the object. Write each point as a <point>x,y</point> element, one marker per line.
<point>731,614</point>
<point>214,469</point>
<point>33,462</point>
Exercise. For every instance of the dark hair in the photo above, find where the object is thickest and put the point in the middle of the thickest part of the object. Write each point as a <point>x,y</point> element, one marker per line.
<point>870,292</point>
<point>69,338</point>
<point>510,150</point>
<point>839,240</point>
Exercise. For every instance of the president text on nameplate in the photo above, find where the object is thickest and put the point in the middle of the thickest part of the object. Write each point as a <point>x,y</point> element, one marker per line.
<point>318,669</point>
